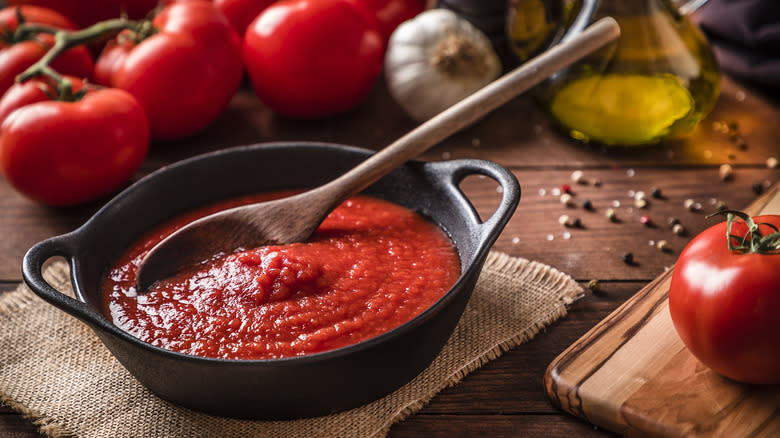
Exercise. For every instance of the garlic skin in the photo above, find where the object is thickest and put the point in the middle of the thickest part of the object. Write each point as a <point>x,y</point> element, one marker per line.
<point>435,60</point>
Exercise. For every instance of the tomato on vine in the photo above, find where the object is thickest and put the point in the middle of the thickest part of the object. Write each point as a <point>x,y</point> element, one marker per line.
<point>309,58</point>
<point>724,297</point>
<point>183,67</point>
<point>242,12</point>
<point>63,143</point>
<point>88,12</point>
<point>391,13</point>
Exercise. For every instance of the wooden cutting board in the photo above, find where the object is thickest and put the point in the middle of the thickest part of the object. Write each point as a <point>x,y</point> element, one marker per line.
<point>632,374</point>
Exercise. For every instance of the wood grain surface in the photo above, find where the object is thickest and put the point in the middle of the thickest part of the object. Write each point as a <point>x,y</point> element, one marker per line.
<point>632,374</point>
<point>506,397</point>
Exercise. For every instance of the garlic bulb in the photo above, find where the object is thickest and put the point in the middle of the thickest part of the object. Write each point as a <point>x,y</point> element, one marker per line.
<point>435,60</point>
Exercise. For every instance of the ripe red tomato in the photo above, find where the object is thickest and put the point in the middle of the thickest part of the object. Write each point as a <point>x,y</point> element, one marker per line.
<point>17,52</point>
<point>242,12</point>
<point>313,58</point>
<point>184,74</point>
<point>85,12</point>
<point>68,152</point>
<point>391,13</point>
<point>725,303</point>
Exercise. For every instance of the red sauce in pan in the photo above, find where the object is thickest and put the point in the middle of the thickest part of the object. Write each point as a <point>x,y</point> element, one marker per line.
<point>370,267</point>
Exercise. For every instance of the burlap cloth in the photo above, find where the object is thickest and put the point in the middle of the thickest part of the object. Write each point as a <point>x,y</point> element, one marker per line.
<point>56,372</point>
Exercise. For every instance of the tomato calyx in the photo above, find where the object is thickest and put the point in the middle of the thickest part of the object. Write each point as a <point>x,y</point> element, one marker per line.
<point>753,241</point>
<point>142,31</point>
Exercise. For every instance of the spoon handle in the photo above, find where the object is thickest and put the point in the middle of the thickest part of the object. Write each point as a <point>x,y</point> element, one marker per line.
<point>472,108</point>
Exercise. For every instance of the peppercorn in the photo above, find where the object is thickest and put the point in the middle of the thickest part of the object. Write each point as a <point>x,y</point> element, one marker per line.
<point>611,215</point>
<point>662,245</point>
<point>565,188</point>
<point>566,199</point>
<point>720,206</point>
<point>563,219</point>
<point>640,203</point>
<point>645,220</point>
<point>672,221</point>
<point>594,286</point>
<point>678,229</point>
<point>587,205</point>
<point>628,258</point>
<point>578,176</point>
<point>656,193</point>
<point>758,188</point>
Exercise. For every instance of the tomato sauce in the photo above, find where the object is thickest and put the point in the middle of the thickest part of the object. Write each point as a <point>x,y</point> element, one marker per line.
<point>371,266</point>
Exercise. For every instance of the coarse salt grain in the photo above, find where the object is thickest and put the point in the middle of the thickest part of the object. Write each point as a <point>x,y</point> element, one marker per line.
<point>725,172</point>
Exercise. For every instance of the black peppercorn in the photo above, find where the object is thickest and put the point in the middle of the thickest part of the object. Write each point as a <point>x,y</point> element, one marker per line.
<point>628,258</point>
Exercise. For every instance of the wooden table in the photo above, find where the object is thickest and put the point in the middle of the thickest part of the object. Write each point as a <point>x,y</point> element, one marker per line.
<point>505,397</point>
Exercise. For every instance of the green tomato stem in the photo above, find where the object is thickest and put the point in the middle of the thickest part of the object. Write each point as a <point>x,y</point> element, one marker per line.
<point>64,40</point>
<point>753,241</point>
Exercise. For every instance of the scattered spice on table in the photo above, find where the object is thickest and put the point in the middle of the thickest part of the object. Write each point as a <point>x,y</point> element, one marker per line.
<point>725,172</point>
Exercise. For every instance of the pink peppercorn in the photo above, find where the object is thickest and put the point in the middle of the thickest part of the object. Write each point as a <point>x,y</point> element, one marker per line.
<point>645,220</point>
<point>565,188</point>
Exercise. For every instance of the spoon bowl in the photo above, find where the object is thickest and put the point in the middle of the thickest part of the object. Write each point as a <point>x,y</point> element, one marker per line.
<point>295,218</point>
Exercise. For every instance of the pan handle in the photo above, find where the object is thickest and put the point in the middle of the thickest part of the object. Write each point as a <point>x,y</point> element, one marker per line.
<point>32,272</point>
<point>455,171</point>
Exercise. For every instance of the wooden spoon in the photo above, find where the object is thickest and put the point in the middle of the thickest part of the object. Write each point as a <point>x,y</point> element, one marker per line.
<point>295,218</point>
